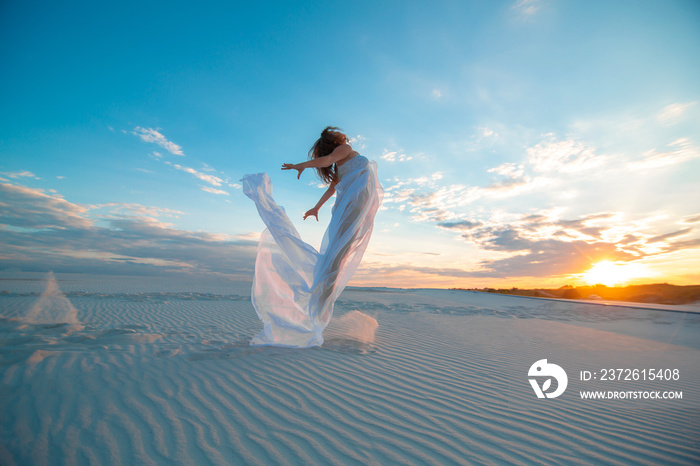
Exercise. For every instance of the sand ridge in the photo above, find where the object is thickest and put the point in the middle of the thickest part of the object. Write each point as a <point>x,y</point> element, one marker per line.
<point>163,376</point>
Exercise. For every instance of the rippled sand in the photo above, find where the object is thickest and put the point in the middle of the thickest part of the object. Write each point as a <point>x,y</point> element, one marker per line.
<point>158,371</point>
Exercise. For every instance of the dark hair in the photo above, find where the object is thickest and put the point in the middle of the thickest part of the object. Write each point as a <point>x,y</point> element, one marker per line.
<point>331,137</point>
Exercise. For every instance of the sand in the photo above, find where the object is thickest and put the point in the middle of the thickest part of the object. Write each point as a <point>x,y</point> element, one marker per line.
<point>159,371</point>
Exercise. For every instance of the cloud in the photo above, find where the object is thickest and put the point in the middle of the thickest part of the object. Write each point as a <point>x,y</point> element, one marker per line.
<point>425,198</point>
<point>542,244</point>
<point>211,179</point>
<point>548,258</point>
<point>428,201</point>
<point>691,219</point>
<point>439,206</point>
<point>681,245</point>
<point>488,132</point>
<point>514,181</point>
<point>151,135</point>
<point>32,208</point>
<point>22,174</point>
<point>124,208</point>
<point>462,225</point>
<point>672,114</point>
<point>668,236</point>
<point>550,164</point>
<point>358,142</point>
<point>386,270</point>
<point>42,232</point>
<point>509,187</point>
<point>510,170</point>
<point>553,165</point>
<point>557,171</point>
<point>214,190</point>
<point>395,157</point>
<point>526,8</point>
<point>636,138</point>
<point>681,150</point>
<point>567,156</point>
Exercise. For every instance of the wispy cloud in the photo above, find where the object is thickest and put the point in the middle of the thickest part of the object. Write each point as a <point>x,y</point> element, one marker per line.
<point>673,113</point>
<point>211,179</point>
<point>526,8</point>
<point>206,175</point>
<point>153,136</point>
<point>139,210</point>
<point>551,165</point>
<point>548,165</point>
<point>358,142</point>
<point>667,236</point>
<point>681,150</point>
<point>395,156</point>
<point>426,199</point>
<point>214,190</point>
<point>567,156</point>
<point>691,219</point>
<point>21,174</point>
<point>486,132</point>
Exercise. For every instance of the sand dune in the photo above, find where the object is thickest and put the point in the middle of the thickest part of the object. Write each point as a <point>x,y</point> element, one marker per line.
<point>160,372</point>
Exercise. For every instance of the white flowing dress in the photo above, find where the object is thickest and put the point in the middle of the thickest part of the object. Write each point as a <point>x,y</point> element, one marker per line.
<point>295,286</point>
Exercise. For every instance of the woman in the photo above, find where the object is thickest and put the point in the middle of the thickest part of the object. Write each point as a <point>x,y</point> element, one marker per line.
<point>295,287</point>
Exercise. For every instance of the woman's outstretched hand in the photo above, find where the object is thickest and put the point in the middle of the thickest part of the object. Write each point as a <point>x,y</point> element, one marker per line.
<point>292,166</point>
<point>312,213</point>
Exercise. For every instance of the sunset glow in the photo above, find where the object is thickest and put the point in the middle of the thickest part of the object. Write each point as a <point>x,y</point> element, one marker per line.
<point>610,273</point>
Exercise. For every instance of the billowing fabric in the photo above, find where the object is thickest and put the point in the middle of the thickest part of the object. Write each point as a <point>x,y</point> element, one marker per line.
<point>295,286</point>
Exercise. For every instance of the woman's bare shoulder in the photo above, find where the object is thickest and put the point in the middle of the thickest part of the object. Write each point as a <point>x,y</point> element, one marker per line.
<point>345,153</point>
<point>345,148</point>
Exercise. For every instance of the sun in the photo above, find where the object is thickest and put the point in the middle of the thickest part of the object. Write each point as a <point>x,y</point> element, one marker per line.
<point>610,273</point>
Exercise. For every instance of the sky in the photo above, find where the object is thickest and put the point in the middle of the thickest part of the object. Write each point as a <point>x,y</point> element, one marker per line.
<point>520,143</point>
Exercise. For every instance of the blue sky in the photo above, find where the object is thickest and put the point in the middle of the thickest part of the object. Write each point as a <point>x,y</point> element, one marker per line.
<point>519,142</point>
